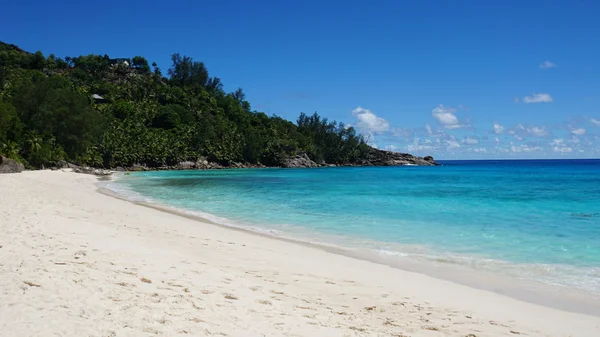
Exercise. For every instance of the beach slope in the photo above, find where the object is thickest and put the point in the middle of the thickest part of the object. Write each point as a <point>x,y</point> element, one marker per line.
<point>75,262</point>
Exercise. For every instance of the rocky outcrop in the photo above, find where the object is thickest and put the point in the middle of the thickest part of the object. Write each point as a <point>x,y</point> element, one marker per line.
<point>377,157</point>
<point>204,164</point>
<point>299,160</point>
<point>10,166</point>
<point>186,165</point>
<point>200,164</point>
<point>138,167</point>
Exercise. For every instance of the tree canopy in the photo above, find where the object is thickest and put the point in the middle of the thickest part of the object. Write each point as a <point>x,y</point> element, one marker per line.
<point>94,111</point>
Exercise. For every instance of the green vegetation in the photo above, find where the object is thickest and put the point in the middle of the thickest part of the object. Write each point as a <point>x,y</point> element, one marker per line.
<point>103,112</point>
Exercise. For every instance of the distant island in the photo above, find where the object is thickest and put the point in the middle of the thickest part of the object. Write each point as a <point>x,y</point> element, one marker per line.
<point>123,113</point>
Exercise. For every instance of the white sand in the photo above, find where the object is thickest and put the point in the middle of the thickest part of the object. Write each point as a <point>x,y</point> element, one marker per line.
<point>85,256</point>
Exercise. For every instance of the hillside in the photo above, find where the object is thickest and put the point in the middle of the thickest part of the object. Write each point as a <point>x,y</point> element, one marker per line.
<point>102,112</point>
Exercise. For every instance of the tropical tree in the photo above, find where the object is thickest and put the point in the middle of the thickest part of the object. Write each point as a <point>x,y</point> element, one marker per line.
<point>47,114</point>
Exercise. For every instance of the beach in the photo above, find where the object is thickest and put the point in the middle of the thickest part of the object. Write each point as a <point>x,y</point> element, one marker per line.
<point>76,262</point>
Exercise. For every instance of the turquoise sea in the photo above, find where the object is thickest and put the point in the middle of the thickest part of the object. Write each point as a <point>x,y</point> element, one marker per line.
<point>532,219</point>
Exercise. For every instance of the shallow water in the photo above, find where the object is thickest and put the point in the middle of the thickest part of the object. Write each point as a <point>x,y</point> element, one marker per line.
<point>537,220</point>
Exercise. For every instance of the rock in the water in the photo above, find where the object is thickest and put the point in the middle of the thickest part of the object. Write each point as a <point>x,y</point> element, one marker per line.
<point>300,160</point>
<point>10,166</point>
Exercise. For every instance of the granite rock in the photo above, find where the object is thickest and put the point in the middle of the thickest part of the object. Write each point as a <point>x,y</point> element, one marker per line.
<point>10,166</point>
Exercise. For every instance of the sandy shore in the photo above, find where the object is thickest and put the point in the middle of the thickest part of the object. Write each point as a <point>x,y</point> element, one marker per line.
<point>74,262</point>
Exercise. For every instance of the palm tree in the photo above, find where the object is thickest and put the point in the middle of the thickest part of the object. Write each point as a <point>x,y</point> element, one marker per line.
<point>10,149</point>
<point>34,143</point>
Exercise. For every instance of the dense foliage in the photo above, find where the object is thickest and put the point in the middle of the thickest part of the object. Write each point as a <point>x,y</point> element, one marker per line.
<point>105,112</point>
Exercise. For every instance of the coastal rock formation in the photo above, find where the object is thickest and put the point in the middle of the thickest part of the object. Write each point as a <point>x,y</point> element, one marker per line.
<point>377,157</point>
<point>138,167</point>
<point>300,160</point>
<point>10,166</point>
<point>202,163</point>
<point>186,165</point>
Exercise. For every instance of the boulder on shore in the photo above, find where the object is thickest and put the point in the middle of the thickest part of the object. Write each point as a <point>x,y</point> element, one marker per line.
<point>138,168</point>
<point>300,160</point>
<point>10,166</point>
<point>186,165</point>
<point>89,170</point>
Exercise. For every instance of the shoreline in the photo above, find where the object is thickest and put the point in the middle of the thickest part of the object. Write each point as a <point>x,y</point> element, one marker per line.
<point>71,256</point>
<point>535,292</point>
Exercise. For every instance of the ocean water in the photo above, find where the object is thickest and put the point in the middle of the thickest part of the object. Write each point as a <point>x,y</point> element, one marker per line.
<point>532,219</point>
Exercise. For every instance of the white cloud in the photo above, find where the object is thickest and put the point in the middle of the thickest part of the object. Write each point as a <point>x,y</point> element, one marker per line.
<point>525,148</point>
<point>447,118</point>
<point>538,98</point>
<point>464,107</point>
<point>579,132</point>
<point>595,121</point>
<point>455,126</point>
<point>547,65</point>
<point>557,142</point>
<point>452,144</point>
<point>391,147</point>
<point>434,132</point>
<point>368,121</point>
<point>562,149</point>
<point>531,148</point>
<point>479,150</point>
<point>428,128</point>
<point>445,115</point>
<point>417,146</point>
<point>470,141</point>
<point>498,128</point>
<point>538,131</point>
<point>520,132</point>
<point>402,132</point>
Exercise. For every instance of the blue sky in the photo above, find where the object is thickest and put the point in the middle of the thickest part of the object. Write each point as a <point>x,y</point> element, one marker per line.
<point>454,79</point>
